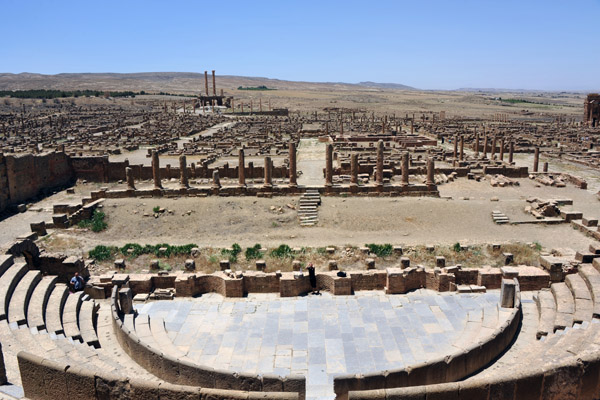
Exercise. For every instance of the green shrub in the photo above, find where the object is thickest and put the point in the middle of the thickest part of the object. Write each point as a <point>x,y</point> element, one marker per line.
<point>138,250</point>
<point>253,253</point>
<point>456,247</point>
<point>96,223</point>
<point>156,209</point>
<point>381,250</point>
<point>232,253</point>
<point>102,253</point>
<point>164,266</point>
<point>282,251</point>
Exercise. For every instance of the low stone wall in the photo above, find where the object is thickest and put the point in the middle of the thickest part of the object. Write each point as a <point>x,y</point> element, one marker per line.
<point>446,369</point>
<point>576,378</point>
<point>184,372</point>
<point>44,379</point>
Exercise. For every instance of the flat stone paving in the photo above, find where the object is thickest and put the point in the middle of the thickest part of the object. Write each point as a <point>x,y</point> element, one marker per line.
<point>318,336</point>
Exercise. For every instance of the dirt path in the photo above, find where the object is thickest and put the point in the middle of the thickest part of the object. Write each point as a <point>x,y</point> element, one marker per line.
<point>311,161</point>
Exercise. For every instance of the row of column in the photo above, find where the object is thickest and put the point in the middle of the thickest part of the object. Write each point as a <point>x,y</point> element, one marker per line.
<point>511,148</point>
<point>354,168</point>
<point>184,181</point>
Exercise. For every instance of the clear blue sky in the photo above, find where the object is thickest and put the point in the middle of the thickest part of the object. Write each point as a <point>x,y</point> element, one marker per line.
<point>441,44</point>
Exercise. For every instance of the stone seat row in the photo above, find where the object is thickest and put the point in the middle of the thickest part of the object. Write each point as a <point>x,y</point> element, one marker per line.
<point>574,301</point>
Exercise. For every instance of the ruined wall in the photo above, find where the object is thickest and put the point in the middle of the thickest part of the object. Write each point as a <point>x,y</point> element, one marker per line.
<point>3,184</point>
<point>93,169</point>
<point>31,175</point>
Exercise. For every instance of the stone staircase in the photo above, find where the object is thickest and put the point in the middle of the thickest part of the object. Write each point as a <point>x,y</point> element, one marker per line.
<point>307,207</point>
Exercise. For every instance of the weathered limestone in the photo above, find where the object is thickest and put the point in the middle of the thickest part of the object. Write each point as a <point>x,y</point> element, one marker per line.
<point>156,170</point>
<point>216,181</point>
<point>462,148</point>
<point>507,293</point>
<point>502,149</point>
<point>430,171</point>
<point>183,175</point>
<point>511,150</point>
<point>455,152</point>
<point>293,170</point>
<point>126,300</point>
<point>494,142</point>
<point>241,169</point>
<point>485,145</point>
<point>379,172</point>
<point>329,165</point>
<point>268,173</point>
<point>545,166</point>
<point>536,159</point>
<point>354,170</point>
<point>129,178</point>
<point>477,144</point>
<point>214,83</point>
<point>404,169</point>
<point>206,82</point>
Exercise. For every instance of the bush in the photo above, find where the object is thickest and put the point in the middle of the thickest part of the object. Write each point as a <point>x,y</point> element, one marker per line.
<point>381,250</point>
<point>253,253</point>
<point>156,209</point>
<point>96,223</point>
<point>164,266</point>
<point>232,253</point>
<point>138,250</point>
<point>102,253</point>
<point>282,251</point>
<point>456,247</point>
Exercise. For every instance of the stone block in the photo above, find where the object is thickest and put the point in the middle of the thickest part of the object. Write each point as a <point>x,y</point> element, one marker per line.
<point>126,300</point>
<point>120,263</point>
<point>508,258</point>
<point>261,265</point>
<point>296,265</point>
<point>332,265</point>
<point>589,222</point>
<point>224,264</point>
<point>190,265</point>
<point>370,262</point>
<point>507,293</point>
<point>404,262</point>
<point>440,262</point>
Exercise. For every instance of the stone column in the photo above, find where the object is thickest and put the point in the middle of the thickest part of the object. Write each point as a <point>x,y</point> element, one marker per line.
<point>430,171</point>
<point>545,167</point>
<point>455,152</point>
<point>293,171</point>
<point>329,165</point>
<point>206,82</point>
<point>129,176</point>
<point>462,148</point>
<point>214,84</point>
<point>511,149</point>
<point>354,170</point>
<point>485,145</point>
<point>216,181</point>
<point>502,149</point>
<point>183,175</point>
<point>476,145</point>
<point>241,168</point>
<point>493,147</point>
<point>536,159</point>
<point>193,169</point>
<point>404,169</point>
<point>156,170</point>
<point>268,176</point>
<point>379,171</point>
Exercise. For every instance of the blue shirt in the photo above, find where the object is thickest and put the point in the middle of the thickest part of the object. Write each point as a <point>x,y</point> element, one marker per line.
<point>77,282</point>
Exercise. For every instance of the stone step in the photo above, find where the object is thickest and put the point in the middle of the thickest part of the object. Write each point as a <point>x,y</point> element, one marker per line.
<point>592,279</point>
<point>6,261</point>
<point>584,306</point>
<point>69,315</point>
<point>17,308</point>
<point>86,318</point>
<point>157,326</point>
<point>8,283</point>
<point>54,308</point>
<point>565,305</point>
<point>36,312</point>
<point>546,306</point>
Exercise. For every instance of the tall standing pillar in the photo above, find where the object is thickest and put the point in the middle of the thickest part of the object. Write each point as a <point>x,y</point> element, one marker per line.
<point>206,83</point>
<point>536,159</point>
<point>329,165</point>
<point>494,142</point>
<point>430,171</point>
<point>216,181</point>
<point>476,144</point>
<point>511,150</point>
<point>404,169</point>
<point>214,84</point>
<point>485,145</point>
<point>183,175</point>
<point>379,171</point>
<point>156,170</point>
<point>354,170</point>
<point>502,149</point>
<point>462,148</point>
<point>268,173</point>
<point>129,176</point>
<point>241,168</point>
<point>293,171</point>
<point>454,154</point>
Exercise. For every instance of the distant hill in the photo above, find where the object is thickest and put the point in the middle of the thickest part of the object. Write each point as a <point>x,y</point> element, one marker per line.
<point>173,82</point>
